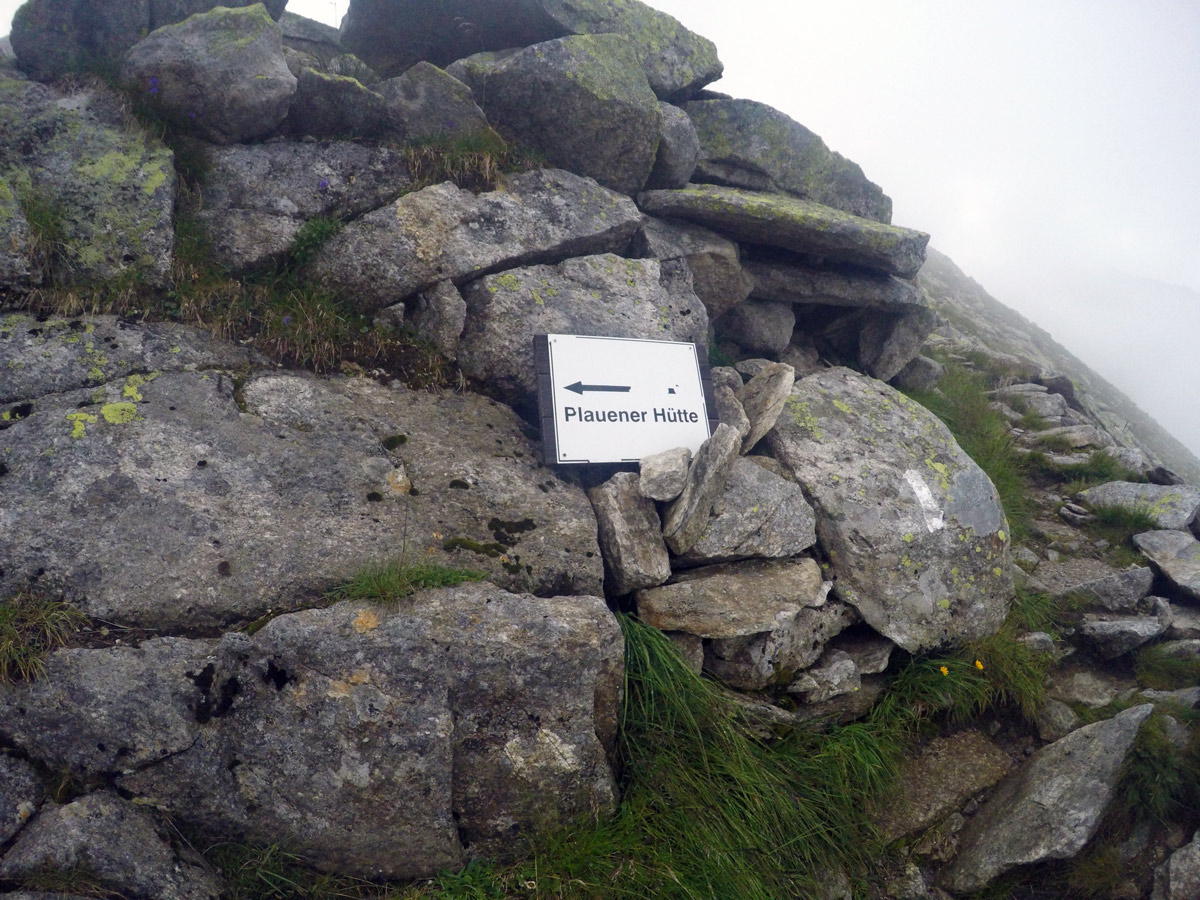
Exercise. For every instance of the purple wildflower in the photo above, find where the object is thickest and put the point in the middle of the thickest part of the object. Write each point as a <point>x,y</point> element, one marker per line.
<point>153,86</point>
<point>323,184</point>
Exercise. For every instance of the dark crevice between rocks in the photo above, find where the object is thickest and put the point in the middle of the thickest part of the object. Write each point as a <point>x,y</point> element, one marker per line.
<point>214,704</point>
<point>14,414</point>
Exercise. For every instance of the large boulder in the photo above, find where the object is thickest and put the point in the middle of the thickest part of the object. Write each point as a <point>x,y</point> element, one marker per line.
<point>913,527</point>
<point>630,535</point>
<point>426,104</point>
<point>1177,555</point>
<point>1178,878</point>
<point>392,35</point>
<point>1050,807</point>
<point>605,294</point>
<point>889,342</point>
<point>220,75</point>
<point>189,500</point>
<point>1172,507</point>
<point>1095,582</point>
<point>583,103</point>
<point>100,190</point>
<point>747,144</point>
<point>678,150</point>
<point>117,844</point>
<point>382,742</point>
<point>717,275</point>
<point>57,37</point>
<point>256,197</point>
<point>758,327</point>
<point>443,233</point>
<point>802,226</point>
<point>326,105</point>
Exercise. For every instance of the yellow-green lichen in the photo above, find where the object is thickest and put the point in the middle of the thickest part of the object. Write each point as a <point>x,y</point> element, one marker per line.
<point>79,422</point>
<point>134,383</point>
<point>119,413</point>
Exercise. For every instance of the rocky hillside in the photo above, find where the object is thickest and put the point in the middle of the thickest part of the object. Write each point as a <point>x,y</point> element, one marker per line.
<point>291,607</point>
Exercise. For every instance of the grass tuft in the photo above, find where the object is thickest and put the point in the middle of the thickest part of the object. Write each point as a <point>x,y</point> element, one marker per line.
<point>961,402</point>
<point>475,162</point>
<point>32,625</point>
<point>1159,781</point>
<point>392,582</point>
<point>1160,670</point>
<point>273,873</point>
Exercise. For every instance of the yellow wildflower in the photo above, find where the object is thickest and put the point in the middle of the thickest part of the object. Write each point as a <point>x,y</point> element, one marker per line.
<point>944,670</point>
<point>978,664</point>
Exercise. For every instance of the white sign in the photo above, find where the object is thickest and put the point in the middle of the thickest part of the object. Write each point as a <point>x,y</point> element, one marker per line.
<point>607,399</point>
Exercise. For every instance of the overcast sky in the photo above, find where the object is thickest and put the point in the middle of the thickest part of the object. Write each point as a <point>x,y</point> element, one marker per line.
<point>1045,144</point>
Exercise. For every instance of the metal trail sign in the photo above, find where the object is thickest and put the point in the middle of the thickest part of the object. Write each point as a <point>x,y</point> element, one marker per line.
<point>606,399</point>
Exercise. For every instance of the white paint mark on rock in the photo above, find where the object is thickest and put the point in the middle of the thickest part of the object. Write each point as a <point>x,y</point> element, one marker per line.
<point>935,519</point>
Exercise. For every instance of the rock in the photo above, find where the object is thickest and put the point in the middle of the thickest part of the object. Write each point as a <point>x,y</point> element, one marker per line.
<point>1092,689</point>
<point>335,106</point>
<point>1172,507</point>
<point>392,36</point>
<point>21,795</point>
<point>763,398</point>
<point>758,515</point>
<point>1095,582</point>
<point>687,518</point>
<point>888,343</point>
<point>717,275</point>
<point>454,723</point>
<point>1026,558</point>
<point>758,326</point>
<point>427,104</point>
<point>115,843</point>
<point>443,233</point>
<point>1049,406</point>
<point>1160,475</point>
<point>730,377</point>
<point>1116,635</point>
<point>584,104</point>
<point>18,270</point>
<point>346,472</point>
<point>52,38</point>
<point>870,652</point>
<point>733,600</point>
<point>1185,623</point>
<point>220,74</point>
<point>474,70</point>
<point>912,526</point>
<point>606,295</point>
<point>1133,459</point>
<point>663,475</point>
<point>1176,554</point>
<point>921,373</point>
<point>746,144</point>
<point>441,316</point>
<point>690,647</point>
<point>729,410</point>
<point>791,283</point>
<point>772,659</point>
<point>801,226</point>
<point>1050,807</point>
<point>935,782</point>
<point>678,150</point>
<point>1187,650</point>
<point>1055,720</point>
<point>834,674</point>
<point>59,355</point>
<point>109,184</point>
<point>1078,437</point>
<point>801,354</point>
<point>257,196</point>
<point>630,536</point>
<point>1179,877</point>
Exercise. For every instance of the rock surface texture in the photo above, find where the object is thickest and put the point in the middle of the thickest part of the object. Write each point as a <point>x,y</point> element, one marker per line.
<point>914,529</point>
<point>1049,808</point>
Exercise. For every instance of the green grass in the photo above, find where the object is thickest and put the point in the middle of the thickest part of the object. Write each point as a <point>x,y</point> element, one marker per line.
<point>391,582</point>
<point>961,402</point>
<point>1160,670</point>
<point>32,625</point>
<point>46,221</point>
<point>475,162</point>
<point>1118,525</point>
<point>1098,469</point>
<point>272,873</point>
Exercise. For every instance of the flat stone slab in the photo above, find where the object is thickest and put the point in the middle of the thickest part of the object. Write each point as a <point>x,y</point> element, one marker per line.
<point>444,233</point>
<point>801,226</point>
<point>942,776</point>
<point>186,500</point>
<point>830,287</point>
<point>1115,635</point>
<point>1177,555</point>
<point>1050,807</point>
<point>1173,507</point>
<point>913,527</point>
<point>732,600</point>
<point>1095,581</point>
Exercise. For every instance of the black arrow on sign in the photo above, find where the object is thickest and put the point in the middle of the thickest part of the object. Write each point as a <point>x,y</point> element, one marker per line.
<point>579,387</point>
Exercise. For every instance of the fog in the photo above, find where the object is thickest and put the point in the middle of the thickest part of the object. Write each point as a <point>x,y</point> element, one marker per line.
<point>1049,148</point>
